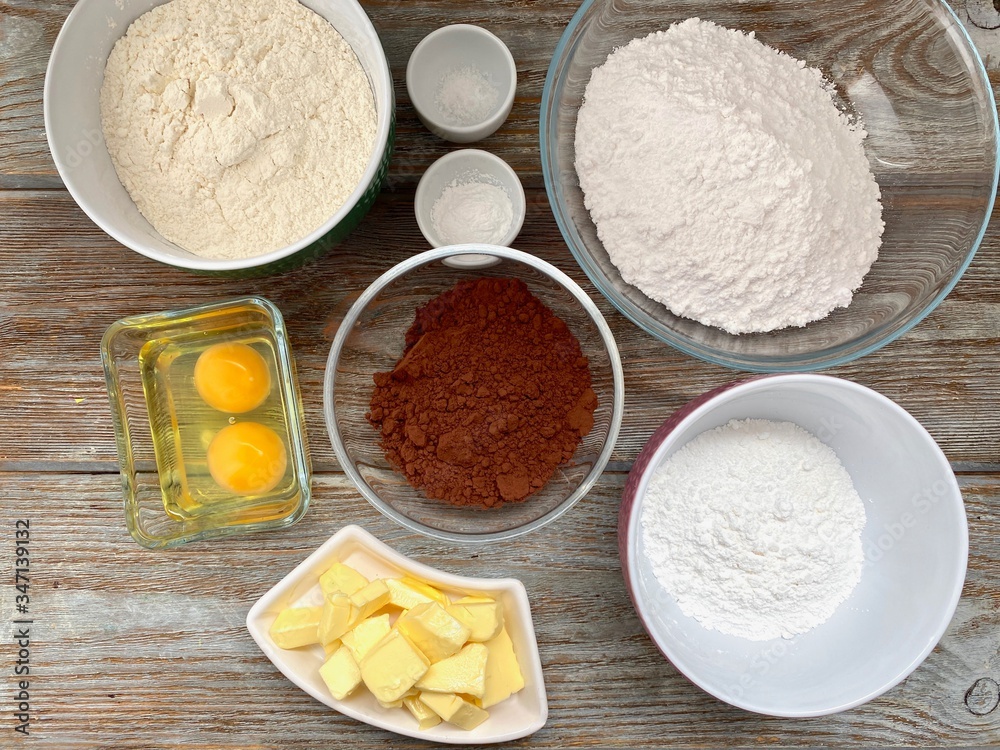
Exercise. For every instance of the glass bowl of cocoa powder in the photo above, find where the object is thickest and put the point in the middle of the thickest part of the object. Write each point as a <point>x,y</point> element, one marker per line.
<point>473,393</point>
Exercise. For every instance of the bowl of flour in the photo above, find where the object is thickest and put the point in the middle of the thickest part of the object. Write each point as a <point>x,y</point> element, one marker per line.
<point>764,189</point>
<point>224,137</point>
<point>794,544</point>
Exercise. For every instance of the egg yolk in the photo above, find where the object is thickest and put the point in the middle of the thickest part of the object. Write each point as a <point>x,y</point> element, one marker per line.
<point>247,458</point>
<point>232,377</point>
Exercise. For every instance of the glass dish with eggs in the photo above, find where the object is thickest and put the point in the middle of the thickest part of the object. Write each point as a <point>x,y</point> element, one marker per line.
<point>208,422</point>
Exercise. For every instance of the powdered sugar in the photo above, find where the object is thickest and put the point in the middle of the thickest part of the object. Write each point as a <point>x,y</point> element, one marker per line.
<point>723,180</point>
<point>755,529</point>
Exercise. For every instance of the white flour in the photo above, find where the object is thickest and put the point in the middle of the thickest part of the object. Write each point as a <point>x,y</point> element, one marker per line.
<point>755,529</point>
<point>237,126</point>
<point>723,180</point>
<point>472,210</point>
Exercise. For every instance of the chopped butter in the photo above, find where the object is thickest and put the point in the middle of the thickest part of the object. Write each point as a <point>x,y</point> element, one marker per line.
<point>295,627</point>
<point>371,598</point>
<point>436,633</point>
<point>427,590</point>
<point>441,660</point>
<point>404,596</point>
<point>455,710</point>
<point>341,673</point>
<point>483,617</point>
<point>426,718</point>
<point>366,634</point>
<point>465,672</point>
<point>342,579</point>
<point>392,666</point>
<point>503,675</point>
<point>339,616</point>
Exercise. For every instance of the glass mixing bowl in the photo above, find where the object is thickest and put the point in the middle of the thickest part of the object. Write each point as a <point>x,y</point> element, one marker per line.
<point>907,68</point>
<point>371,339</point>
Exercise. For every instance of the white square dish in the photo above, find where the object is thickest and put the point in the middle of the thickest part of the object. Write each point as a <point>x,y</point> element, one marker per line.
<point>522,714</point>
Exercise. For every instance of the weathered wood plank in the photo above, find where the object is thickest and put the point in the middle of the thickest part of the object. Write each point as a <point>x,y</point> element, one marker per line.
<point>27,32</point>
<point>139,649</point>
<point>60,289</point>
<point>133,648</point>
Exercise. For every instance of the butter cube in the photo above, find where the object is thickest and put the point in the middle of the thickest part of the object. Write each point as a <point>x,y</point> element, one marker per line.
<point>403,595</point>
<point>455,710</point>
<point>365,635</point>
<point>427,590</point>
<point>426,718</point>
<point>329,648</point>
<point>483,617</point>
<point>503,675</point>
<point>342,579</point>
<point>392,666</point>
<point>339,616</point>
<point>341,673</point>
<point>297,626</point>
<point>431,629</point>
<point>465,672</point>
<point>411,693</point>
<point>473,598</point>
<point>371,598</point>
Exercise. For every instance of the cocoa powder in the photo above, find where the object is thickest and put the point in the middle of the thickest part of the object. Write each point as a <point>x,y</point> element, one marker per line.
<point>491,395</point>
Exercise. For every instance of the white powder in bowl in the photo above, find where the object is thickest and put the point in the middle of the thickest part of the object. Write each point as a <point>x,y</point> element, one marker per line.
<point>472,209</point>
<point>237,126</point>
<point>466,96</point>
<point>755,529</point>
<point>723,180</point>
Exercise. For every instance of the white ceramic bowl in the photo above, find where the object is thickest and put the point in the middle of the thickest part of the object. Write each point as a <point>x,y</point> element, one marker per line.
<point>520,715</point>
<point>467,165</point>
<point>452,48</point>
<point>71,102</point>
<point>915,543</point>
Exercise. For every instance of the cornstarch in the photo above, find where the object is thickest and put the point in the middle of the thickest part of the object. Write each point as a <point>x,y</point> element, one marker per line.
<point>723,180</point>
<point>472,210</point>
<point>237,126</point>
<point>755,529</point>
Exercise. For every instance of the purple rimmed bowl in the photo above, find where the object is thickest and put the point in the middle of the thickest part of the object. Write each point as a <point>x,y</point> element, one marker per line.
<point>915,544</point>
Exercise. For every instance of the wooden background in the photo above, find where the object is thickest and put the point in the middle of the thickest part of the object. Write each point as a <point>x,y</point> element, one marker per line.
<point>133,648</point>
